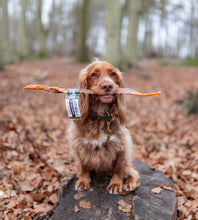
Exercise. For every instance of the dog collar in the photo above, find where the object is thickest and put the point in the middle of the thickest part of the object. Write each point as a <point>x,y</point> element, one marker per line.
<point>108,117</point>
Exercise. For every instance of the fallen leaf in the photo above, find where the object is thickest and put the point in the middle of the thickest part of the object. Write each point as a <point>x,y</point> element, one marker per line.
<point>1,193</point>
<point>53,198</point>
<point>122,203</point>
<point>37,197</point>
<point>187,172</point>
<point>12,204</point>
<point>42,207</point>
<point>22,204</point>
<point>26,186</point>
<point>156,190</point>
<point>59,165</point>
<point>181,200</point>
<point>76,209</point>
<point>167,187</point>
<point>47,174</point>
<point>13,193</point>
<point>85,205</point>
<point>191,204</point>
<point>123,206</point>
<point>77,196</point>
<point>18,169</point>
<point>27,218</point>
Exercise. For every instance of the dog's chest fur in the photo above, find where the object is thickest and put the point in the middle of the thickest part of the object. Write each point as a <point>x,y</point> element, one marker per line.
<point>94,148</point>
<point>100,154</point>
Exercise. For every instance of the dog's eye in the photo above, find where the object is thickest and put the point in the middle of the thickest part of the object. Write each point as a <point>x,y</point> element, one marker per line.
<point>113,74</point>
<point>94,74</point>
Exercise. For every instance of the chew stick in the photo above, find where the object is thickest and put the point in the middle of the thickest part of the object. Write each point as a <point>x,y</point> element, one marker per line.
<point>53,89</point>
<point>62,90</point>
<point>134,92</point>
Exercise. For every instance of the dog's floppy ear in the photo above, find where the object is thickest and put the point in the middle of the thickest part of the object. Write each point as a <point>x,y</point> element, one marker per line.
<point>83,79</point>
<point>84,98</point>
<point>121,102</point>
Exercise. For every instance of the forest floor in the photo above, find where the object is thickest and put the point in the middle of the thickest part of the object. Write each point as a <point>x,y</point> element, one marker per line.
<point>34,154</point>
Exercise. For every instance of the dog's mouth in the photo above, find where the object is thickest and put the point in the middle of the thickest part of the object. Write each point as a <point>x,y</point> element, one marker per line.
<point>106,98</point>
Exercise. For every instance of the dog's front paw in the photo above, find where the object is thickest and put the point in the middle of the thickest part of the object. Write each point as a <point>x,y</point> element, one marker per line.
<point>82,184</point>
<point>115,188</point>
<point>131,184</point>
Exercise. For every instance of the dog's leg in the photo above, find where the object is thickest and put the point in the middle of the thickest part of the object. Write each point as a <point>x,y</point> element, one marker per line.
<point>84,179</point>
<point>115,185</point>
<point>132,181</point>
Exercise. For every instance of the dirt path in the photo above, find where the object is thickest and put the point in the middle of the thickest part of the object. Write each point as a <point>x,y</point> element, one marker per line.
<point>34,154</point>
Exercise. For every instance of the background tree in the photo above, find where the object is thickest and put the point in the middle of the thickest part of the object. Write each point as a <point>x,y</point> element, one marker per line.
<point>23,50</point>
<point>54,27</point>
<point>40,32</point>
<point>1,36</point>
<point>82,53</point>
<point>6,38</point>
<point>57,31</point>
<point>113,17</point>
<point>130,53</point>
<point>147,10</point>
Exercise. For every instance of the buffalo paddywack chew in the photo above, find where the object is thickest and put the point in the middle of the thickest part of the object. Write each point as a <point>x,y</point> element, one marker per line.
<point>127,91</point>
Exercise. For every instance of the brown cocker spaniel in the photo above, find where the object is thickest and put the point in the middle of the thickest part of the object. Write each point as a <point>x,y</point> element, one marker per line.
<point>100,140</point>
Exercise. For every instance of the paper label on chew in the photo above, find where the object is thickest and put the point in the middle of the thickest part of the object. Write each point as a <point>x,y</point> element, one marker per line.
<point>71,102</point>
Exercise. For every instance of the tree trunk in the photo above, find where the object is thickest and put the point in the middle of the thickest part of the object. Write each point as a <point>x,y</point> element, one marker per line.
<point>53,28</point>
<point>113,17</point>
<point>162,9</point>
<point>41,41</point>
<point>82,54</point>
<point>148,36</point>
<point>63,46</point>
<point>57,29</point>
<point>141,204</point>
<point>1,36</point>
<point>130,54</point>
<point>192,42</point>
<point>6,39</point>
<point>23,51</point>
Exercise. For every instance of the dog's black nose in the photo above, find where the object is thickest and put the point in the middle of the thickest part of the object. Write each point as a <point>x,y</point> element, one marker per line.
<point>107,86</point>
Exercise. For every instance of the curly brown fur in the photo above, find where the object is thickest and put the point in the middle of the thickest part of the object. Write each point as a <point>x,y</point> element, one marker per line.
<point>92,145</point>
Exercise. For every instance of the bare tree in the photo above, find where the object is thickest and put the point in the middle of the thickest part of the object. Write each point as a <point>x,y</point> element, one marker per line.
<point>82,54</point>
<point>23,51</point>
<point>196,31</point>
<point>6,38</point>
<point>130,53</point>
<point>40,32</point>
<point>113,17</point>
<point>54,27</point>
<point>192,29</point>
<point>1,36</point>
<point>57,28</point>
<point>147,9</point>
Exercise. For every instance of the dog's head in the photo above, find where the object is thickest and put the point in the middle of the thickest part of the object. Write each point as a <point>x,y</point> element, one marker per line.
<point>104,80</point>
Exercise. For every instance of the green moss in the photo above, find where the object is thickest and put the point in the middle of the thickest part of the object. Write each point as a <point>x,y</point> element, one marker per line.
<point>183,62</point>
<point>190,105</point>
<point>189,61</point>
<point>168,63</point>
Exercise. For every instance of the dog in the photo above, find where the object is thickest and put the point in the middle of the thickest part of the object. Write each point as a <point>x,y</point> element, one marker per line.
<point>100,139</point>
